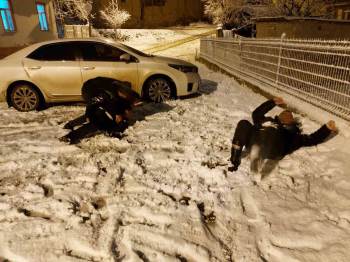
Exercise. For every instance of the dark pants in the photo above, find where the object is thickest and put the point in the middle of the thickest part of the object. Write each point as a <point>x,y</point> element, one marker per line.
<point>246,136</point>
<point>97,125</point>
<point>242,138</point>
<point>243,134</point>
<point>84,131</point>
<point>76,122</point>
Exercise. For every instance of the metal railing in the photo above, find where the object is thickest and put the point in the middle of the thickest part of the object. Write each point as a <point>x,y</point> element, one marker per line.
<point>316,71</point>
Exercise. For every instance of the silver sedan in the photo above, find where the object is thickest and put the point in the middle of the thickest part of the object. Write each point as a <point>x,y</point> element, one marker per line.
<point>55,71</point>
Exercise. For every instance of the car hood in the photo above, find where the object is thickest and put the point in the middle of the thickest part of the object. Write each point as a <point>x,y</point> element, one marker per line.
<point>169,60</point>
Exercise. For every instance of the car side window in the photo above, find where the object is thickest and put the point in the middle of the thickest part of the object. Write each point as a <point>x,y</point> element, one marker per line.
<point>100,52</point>
<point>54,52</point>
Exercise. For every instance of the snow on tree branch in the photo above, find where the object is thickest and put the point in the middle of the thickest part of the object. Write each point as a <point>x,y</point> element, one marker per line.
<point>114,16</point>
<point>83,9</point>
<point>304,8</point>
<point>80,9</point>
<point>218,10</point>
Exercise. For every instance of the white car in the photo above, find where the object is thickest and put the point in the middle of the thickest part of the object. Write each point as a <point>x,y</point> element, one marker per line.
<point>55,71</point>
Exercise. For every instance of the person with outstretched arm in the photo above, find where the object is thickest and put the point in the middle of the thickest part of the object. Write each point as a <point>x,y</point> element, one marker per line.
<point>273,137</point>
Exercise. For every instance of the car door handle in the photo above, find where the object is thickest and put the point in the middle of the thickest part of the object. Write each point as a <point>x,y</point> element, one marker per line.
<point>34,67</point>
<point>88,68</point>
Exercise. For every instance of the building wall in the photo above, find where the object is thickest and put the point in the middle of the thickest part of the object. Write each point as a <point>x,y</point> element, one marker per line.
<point>142,16</point>
<point>134,8</point>
<point>304,29</point>
<point>342,10</point>
<point>27,30</point>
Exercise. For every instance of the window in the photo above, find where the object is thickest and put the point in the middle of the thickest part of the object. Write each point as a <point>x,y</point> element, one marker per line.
<point>42,17</point>
<point>55,52</point>
<point>6,16</point>
<point>100,52</point>
<point>155,2</point>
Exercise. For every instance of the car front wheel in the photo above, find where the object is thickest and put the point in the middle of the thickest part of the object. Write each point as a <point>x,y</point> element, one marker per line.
<point>159,90</point>
<point>25,98</point>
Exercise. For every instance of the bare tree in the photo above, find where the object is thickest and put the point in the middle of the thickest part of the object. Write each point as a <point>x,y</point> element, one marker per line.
<point>237,13</point>
<point>80,9</point>
<point>304,8</point>
<point>60,11</point>
<point>114,16</point>
<point>220,10</point>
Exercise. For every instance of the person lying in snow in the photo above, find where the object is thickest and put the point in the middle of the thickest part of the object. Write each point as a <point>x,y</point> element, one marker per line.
<point>109,104</point>
<point>274,141</point>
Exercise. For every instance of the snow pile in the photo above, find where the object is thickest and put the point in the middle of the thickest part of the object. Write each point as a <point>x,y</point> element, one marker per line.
<point>163,192</point>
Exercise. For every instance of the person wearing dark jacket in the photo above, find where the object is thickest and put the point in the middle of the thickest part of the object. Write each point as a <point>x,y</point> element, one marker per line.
<point>108,109</point>
<point>274,141</point>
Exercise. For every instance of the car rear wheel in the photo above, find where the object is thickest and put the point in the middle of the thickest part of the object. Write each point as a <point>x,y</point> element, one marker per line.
<point>25,98</point>
<point>159,90</point>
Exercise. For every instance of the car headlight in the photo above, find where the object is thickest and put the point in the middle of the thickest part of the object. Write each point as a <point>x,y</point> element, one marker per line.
<point>185,69</point>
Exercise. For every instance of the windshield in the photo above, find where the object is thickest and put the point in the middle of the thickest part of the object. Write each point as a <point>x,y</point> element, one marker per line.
<point>135,51</point>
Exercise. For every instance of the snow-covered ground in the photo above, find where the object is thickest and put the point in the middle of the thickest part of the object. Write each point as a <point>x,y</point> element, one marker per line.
<point>147,38</point>
<point>149,196</point>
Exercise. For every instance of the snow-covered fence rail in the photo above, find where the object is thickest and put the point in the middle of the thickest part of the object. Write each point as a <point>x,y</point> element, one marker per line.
<point>315,71</point>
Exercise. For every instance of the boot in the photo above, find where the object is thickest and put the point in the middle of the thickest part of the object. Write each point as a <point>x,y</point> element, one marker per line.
<point>64,139</point>
<point>236,152</point>
<point>68,139</point>
<point>68,126</point>
<point>115,134</point>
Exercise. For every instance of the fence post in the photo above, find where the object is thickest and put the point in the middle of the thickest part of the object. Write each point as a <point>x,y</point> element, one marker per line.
<point>214,49</point>
<point>240,54</point>
<point>279,58</point>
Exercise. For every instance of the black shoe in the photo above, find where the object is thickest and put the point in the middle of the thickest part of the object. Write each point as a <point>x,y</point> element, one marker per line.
<point>235,158</point>
<point>116,134</point>
<point>233,168</point>
<point>67,139</point>
<point>64,139</point>
<point>68,126</point>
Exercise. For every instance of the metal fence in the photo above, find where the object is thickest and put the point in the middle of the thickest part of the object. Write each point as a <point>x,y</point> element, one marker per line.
<point>315,71</point>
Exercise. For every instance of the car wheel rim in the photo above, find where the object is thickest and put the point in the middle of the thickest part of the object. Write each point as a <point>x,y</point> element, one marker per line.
<point>159,90</point>
<point>25,98</point>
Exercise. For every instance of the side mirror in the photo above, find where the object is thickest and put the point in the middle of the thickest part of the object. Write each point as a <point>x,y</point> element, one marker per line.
<point>125,58</point>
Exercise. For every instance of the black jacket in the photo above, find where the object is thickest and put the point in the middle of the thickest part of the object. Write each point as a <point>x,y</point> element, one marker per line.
<point>103,102</point>
<point>102,110</point>
<point>278,140</point>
